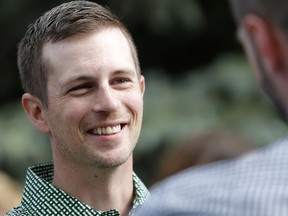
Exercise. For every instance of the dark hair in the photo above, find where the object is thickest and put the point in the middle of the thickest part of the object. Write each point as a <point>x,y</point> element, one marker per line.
<point>274,11</point>
<point>61,22</point>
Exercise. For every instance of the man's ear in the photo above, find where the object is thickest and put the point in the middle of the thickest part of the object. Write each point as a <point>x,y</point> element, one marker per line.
<point>35,112</point>
<point>267,40</point>
<point>142,84</point>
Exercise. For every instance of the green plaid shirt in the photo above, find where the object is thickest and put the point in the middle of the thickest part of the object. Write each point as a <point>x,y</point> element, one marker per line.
<point>40,197</point>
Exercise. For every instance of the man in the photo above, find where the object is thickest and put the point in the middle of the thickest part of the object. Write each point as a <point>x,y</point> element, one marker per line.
<point>256,184</point>
<point>80,71</point>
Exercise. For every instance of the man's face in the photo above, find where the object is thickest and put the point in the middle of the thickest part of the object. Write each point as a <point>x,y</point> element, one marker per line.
<point>261,71</point>
<point>95,99</point>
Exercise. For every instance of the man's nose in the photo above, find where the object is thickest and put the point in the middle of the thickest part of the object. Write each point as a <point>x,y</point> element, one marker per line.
<point>106,100</point>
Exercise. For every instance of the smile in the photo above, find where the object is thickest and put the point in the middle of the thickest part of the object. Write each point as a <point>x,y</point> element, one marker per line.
<point>106,130</point>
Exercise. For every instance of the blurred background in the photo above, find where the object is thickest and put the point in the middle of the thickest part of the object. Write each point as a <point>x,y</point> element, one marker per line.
<point>197,81</point>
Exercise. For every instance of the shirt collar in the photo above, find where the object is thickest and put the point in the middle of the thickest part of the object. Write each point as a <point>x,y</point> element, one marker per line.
<point>42,198</point>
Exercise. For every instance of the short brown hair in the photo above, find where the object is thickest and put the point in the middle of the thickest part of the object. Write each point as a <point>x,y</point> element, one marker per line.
<point>56,24</point>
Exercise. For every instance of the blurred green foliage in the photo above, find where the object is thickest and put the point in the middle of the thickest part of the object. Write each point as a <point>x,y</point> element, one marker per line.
<point>221,95</point>
<point>21,145</point>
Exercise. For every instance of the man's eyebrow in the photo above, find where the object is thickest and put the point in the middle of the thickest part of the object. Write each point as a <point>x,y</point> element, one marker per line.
<point>124,71</point>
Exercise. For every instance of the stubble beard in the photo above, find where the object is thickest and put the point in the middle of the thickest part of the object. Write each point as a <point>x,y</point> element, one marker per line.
<point>269,88</point>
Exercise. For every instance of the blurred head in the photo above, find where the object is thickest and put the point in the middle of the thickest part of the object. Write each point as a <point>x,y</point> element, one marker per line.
<point>263,32</point>
<point>273,11</point>
<point>57,24</point>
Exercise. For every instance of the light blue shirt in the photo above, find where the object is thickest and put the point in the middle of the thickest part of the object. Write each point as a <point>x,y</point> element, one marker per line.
<point>253,185</point>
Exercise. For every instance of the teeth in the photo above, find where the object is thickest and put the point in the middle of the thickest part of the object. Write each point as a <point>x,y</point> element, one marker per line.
<point>106,130</point>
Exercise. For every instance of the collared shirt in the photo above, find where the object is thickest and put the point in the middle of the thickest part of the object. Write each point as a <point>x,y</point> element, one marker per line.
<point>40,197</point>
<point>253,185</point>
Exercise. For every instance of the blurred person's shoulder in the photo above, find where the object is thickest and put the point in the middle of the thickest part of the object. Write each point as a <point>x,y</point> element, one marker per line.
<point>271,158</point>
<point>227,185</point>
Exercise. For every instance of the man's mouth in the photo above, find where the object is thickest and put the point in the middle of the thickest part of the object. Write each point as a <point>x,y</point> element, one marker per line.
<point>106,130</point>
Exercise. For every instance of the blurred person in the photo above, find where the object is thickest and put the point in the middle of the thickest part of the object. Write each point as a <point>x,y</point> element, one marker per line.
<point>83,87</point>
<point>10,192</point>
<point>201,149</point>
<point>255,184</point>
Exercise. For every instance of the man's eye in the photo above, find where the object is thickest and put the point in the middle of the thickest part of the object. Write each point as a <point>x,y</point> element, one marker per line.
<point>121,80</point>
<point>80,87</point>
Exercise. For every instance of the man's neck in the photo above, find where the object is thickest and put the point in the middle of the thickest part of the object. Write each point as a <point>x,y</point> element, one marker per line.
<point>102,189</point>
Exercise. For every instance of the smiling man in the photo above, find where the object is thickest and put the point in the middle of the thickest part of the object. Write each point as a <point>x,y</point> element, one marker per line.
<point>80,71</point>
